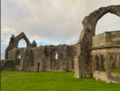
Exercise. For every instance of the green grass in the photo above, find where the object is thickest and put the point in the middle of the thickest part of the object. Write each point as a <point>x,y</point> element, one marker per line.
<point>51,81</point>
<point>112,70</point>
<point>104,70</point>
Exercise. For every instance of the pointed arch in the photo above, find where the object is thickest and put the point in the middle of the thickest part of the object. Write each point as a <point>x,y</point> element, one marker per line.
<point>89,24</point>
<point>106,23</point>
<point>22,43</point>
<point>22,36</point>
<point>14,43</point>
<point>90,21</point>
<point>53,54</point>
<point>53,61</point>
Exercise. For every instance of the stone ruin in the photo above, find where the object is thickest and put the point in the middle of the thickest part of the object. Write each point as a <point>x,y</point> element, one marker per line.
<point>89,54</point>
<point>40,58</point>
<point>87,44</point>
<point>106,54</point>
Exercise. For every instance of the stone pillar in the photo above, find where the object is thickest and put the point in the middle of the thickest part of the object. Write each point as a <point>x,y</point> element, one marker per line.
<point>93,63</point>
<point>108,69</point>
<point>70,65</point>
<point>48,62</point>
<point>64,69</point>
<point>119,63</point>
<point>77,66</point>
<point>42,65</point>
<point>21,64</point>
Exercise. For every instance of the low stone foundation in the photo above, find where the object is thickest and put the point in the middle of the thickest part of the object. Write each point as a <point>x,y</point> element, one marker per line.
<point>102,76</point>
<point>8,65</point>
<point>84,75</point>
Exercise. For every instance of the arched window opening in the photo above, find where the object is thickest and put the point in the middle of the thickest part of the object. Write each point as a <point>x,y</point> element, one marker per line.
<point>103,63</point>
<point>97,63</point>
<point>22,43</point>
<point>54,60</point>
<point>56,56</point>
<point>19,56</point>
<point>108,22</point>
<point>113,64</point>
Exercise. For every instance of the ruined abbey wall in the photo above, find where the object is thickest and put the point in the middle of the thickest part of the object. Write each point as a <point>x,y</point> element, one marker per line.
<point>40,58</point>
<point>80,57</point>
<point>84,45</point>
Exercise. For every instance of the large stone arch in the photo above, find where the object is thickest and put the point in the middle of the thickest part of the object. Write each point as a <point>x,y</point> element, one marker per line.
<point>84,44</point>
<point>90,21</point>
<point>22,36</point>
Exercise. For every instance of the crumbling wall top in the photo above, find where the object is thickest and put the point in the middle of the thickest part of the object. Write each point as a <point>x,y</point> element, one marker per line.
<point>106,39</point>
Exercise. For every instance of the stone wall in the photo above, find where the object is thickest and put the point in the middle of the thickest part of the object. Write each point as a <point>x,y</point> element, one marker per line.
<point>8,65</point>
<point>85,40</point>
<point>77,67</point>
<point>40,58</point>
<point>102,76</point>
<point>107,39</point>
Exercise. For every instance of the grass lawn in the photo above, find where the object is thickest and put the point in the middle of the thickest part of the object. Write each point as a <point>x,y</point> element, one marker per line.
<point>112,70</point>
<point>51,81</point>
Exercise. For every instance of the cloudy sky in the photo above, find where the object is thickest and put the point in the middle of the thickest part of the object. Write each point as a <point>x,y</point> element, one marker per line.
<point>51,21</point>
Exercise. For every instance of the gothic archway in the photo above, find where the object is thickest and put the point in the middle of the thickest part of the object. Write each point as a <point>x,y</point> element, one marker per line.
<point>22,43</point>
<point>89,23</point>
<point>97,59</point>
<point>109,22</point>
<point>14,43</point>
<point>22,36</point>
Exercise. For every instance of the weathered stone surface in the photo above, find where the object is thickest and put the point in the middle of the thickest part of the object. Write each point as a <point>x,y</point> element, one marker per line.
<point>84,44</point>
<point>87,53</point>
<point>40,58</point>
<point>107,39</point>
<point>34,44</point>
<point>102,76</point>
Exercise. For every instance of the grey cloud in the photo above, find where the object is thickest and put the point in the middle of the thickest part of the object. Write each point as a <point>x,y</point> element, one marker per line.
<point>50,20</point>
